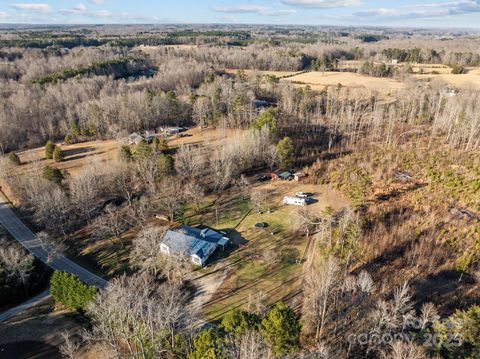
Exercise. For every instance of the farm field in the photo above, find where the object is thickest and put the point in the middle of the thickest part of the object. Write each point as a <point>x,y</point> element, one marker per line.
<point>77,155</point>
<point>148,49</point>
<point>468,81</point>
<point>417,68</point>
<point>320,80</point>
<point>278,74</point>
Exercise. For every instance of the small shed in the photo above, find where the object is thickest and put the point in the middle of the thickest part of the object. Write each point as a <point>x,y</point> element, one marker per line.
<point>285,176</point>
<point>281,175</point>
<point>299,176</point>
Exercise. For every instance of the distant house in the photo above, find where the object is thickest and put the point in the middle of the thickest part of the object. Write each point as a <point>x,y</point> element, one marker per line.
<point>196,243</point>
<point>135,138</point>
<point>173,130</point>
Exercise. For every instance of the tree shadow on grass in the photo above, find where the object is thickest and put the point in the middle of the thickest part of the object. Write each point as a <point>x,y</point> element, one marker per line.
<point>78,151</point>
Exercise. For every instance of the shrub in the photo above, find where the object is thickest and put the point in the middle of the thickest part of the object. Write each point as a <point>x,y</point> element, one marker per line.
<point>49,148</point>
<point>53,174</point>
<point>286,151</point>
<point>58,154</point>
<point>207,344</point>
<point>458,70</point>
<point>281,329</point>
<point>163,145</point>
<point>267,119</point>
<point>125,154</point>
<point>69,290</point>
<point>166,165</point>
<point>13,157</point>
<point>143,150</point>
<point>238,322</point>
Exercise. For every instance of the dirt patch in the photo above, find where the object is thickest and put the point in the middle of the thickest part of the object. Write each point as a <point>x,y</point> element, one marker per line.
<point>323,195</point>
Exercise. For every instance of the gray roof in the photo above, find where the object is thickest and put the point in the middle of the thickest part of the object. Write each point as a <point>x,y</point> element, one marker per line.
<point>187,240</point>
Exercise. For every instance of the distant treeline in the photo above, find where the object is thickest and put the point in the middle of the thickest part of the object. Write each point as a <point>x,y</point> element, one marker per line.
<point>42,43</point>
<point>119,68</point>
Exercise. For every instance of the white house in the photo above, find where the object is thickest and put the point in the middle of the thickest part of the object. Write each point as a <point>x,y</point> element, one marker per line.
<point>196,243</point>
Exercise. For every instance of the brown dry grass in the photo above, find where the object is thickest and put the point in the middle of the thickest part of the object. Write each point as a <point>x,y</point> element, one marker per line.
<point>469,81</point>
<point>152,49</point>
<point>248,275</point>
<point>320,80</point>
<point>77,155</point>
<point>253,73</point>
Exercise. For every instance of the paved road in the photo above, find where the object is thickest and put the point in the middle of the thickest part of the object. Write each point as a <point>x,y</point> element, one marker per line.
<point>22,234</point>
<point>6,315</point>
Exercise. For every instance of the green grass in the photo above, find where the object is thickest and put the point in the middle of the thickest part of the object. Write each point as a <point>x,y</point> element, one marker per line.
<point>250,274</point>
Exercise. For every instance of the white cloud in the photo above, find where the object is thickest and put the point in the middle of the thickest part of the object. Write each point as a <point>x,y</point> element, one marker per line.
<point>322,4</point>
<point>424,11</point>
<point>80,8</point>
<point>96,2</point>
<point>33,7</point>
<point>253,9</point>
<point>4,14</point>
<point>102,13</point>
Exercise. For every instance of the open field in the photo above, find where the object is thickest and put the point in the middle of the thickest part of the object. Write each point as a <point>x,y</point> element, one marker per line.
<point>248,272</point>
<point>417,68</point>
<point>277,74</point>
<point>468,81</point>
<point>77,155</point>
<point>320,80</point>
<point>152,49</point>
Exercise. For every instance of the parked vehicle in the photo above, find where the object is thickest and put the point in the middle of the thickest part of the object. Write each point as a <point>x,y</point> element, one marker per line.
<point>263,178</point>
<point>295,201</point>
<point>303,194</point>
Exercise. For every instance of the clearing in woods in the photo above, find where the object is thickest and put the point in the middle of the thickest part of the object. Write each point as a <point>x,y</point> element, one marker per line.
<point>77,155</point>
<point>264,264</point>
<point>318,80</point>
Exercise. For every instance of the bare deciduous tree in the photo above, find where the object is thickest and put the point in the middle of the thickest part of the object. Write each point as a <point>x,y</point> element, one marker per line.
<point>171,197</point>
<point>259,198</point>
<point>194,193</point>
<point>112,223</point>
<point>70,347</point>
<point>250,345</point>
<point>134,316</point>
<point>16,263</point>
<point>146,249</point>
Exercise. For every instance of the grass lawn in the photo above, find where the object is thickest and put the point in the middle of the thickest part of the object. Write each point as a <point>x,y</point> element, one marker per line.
<point>250,272</point>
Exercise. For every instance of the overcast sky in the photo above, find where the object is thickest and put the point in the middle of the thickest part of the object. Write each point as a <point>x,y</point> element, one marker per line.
<point>420,13</point>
